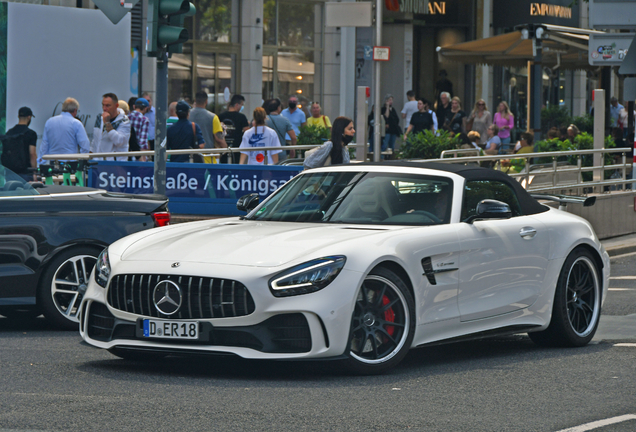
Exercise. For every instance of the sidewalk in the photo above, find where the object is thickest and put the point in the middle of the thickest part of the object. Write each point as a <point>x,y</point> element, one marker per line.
<point>620,245</point>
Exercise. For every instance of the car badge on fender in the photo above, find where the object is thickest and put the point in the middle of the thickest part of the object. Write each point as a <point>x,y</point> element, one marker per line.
<point>167,297</point>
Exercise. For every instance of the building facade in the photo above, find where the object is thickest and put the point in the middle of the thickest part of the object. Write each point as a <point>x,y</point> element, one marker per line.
<point>278,48</point>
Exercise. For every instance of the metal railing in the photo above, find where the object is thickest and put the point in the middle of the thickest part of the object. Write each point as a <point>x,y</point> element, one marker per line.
<point>203,152</point>
<point>527,176</point>
<point>552,170</point>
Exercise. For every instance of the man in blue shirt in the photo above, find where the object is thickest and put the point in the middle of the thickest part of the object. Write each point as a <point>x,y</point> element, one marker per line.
<point>64,133</point>
<point>181,135</point>
<point>295,116</point>
<point>150,115</point>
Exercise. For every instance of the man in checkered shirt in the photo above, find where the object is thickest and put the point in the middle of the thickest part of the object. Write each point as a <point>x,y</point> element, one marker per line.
<point>141,123</point>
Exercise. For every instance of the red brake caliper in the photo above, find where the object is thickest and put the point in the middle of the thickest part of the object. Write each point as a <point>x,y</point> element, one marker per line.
<point>389,315</point>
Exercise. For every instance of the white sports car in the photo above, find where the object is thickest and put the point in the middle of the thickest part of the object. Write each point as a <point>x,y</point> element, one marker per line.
<point>356,262</point>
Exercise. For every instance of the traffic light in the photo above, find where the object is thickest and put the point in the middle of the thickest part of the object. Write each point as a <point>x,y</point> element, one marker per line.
<point>165,31</point>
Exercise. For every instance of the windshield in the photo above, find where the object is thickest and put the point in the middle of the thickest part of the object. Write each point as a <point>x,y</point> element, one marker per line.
<point>12,184</point>
<point>361,198</point>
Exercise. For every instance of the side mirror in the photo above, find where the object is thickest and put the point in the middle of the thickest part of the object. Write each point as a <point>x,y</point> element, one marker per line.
<point>248,202</point>
<point>491,209</point>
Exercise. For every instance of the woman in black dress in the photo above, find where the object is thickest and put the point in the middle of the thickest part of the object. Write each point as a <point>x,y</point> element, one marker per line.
<point>455,118</point>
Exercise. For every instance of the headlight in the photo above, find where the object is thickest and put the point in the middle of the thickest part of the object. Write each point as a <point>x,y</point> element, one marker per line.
<point>102,269</point>
<point>308,277</point>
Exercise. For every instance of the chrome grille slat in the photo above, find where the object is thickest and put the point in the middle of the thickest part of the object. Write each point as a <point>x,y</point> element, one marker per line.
<point>221,299</point>
<point>211,298</point>
<point>189,296</point>
<point>200,297</point>
<point>125,292</point>
<point>233,299</point>
<point>134,293</point>
<point>132,297</point>
<point>141,302</point>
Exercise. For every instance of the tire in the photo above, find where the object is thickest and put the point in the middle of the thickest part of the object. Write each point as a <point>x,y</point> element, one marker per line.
<point>63,285</point>
<point>577,304</point>
<point>382,324</point>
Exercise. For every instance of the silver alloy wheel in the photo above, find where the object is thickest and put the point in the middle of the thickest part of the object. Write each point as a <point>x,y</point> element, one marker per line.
<point>69,284</point>
<point>381,321</point>
<point>583,296</point>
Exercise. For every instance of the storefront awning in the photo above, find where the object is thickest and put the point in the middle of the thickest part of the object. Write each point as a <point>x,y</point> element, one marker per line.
<point>564,46</point>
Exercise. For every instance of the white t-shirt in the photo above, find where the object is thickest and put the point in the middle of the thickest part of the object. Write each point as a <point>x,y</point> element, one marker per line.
<point>409,109</point>
<point>260,136</point>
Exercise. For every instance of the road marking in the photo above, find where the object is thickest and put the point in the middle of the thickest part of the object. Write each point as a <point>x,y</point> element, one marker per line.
<point>631,345</point>
<point>600,423</point>
<point>623,277</point>
<point>620,289</point>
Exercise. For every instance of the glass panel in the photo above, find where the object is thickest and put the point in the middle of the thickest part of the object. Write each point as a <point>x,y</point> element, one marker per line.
<point>213,21</point>
<point>478,190</point>
<point>269,22</point>
<point>297,29</point>
<point>206,77</point>
<point>226,65</point>
<point>296,76</point>
<point>180,76</point>
<point>268,77</point>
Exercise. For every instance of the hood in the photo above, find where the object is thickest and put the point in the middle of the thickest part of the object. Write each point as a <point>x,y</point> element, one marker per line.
<point>249,243</point>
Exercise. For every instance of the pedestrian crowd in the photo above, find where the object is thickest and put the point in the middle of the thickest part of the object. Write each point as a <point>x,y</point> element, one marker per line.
<point>129,126</point>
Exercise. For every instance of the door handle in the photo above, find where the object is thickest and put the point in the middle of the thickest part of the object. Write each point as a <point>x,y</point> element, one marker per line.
<point>527,233</point>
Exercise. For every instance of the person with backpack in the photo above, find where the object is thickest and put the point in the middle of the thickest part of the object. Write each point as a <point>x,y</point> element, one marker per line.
<point>64,133</point>
<point>19,146</point>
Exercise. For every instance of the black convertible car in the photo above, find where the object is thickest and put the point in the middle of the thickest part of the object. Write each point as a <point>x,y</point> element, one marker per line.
<point>50,237</point>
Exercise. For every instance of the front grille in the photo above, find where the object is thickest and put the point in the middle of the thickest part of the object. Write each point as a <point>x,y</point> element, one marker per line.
<point>201,297</point>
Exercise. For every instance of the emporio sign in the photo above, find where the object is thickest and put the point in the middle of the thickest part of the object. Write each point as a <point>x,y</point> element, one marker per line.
<point>416,6</point>
<point>544,9</point>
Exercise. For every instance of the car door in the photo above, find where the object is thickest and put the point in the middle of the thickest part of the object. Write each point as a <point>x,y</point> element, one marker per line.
<point>502,263</point>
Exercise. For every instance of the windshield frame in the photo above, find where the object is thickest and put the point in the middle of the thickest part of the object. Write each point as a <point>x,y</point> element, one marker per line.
<point>327,191</point>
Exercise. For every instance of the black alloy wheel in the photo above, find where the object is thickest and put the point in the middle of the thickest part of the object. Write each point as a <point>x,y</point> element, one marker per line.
<point>382,325</point>
<point>577,303</point>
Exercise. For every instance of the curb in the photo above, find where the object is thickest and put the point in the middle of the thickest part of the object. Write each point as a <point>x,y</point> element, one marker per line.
<point>620,250</point>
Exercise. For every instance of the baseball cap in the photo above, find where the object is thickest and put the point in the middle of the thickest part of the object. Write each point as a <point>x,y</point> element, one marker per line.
<point>183,107</point>
<point>25,112</point>
<point>142,102</point>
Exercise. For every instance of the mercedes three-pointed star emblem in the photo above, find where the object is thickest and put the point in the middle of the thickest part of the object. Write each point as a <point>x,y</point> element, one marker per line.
<point>167,297</point>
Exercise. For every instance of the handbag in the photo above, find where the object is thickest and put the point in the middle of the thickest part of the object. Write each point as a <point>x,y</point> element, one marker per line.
<point>309,154</point>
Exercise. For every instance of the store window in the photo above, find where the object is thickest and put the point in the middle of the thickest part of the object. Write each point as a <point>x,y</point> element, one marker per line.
<point>214,47</point>
<point>293,50</point>
<point>213,21</point>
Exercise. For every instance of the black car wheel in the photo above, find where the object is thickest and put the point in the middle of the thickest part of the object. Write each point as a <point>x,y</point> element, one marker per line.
<point>577,303</point>
<point>63,285</point>
<point>382,325</point>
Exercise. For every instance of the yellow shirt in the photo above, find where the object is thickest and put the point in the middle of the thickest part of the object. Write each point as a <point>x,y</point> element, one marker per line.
<point>322,121</point>
<point>216,125</point>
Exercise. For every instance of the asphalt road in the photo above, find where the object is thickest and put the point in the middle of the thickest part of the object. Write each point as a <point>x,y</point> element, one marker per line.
<point>49,382</point>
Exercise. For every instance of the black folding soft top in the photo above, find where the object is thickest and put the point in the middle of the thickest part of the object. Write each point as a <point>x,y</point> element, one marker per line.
<point>528,204</point>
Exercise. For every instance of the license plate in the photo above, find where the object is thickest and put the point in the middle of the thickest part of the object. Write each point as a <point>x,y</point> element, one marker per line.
<point>171,329</point>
